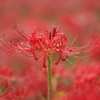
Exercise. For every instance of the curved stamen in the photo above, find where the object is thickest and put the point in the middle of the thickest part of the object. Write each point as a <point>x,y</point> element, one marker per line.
<point>11,91</point>
<point>86,56</point>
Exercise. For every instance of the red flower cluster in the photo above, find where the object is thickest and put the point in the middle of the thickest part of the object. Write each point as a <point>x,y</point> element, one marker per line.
<point>9,89</point>
<point>86,84</point>
<point>12,88</point>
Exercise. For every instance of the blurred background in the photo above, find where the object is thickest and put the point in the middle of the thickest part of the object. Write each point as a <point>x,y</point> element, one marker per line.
<point>72,17</point>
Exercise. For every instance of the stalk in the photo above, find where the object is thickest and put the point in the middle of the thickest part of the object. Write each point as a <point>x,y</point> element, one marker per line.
<point>49,78</point>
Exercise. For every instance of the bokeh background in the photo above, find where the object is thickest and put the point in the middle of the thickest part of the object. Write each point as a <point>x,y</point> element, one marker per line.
<point>72,17</point>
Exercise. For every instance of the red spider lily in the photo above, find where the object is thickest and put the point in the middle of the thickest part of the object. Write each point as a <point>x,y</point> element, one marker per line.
<point>12,91</point>
<point>86,84</point>
<point>9,89</point>
<point>42,43</point>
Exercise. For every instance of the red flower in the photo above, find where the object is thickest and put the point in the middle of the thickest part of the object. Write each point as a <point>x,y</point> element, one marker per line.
<point>86,84</point>
<point>42,43</point>
<point>9,88</point>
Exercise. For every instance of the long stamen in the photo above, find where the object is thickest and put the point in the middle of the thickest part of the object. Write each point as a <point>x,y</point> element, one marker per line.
<point>81,52</point>
<point>11,91</point>
<point>86,56</point>
<point>5,45</point>
<point>18,31</point>
<point>74,40</point>
<point>83,47</point>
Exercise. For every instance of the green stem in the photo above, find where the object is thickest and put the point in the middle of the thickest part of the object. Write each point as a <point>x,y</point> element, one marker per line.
<point>49,79</point>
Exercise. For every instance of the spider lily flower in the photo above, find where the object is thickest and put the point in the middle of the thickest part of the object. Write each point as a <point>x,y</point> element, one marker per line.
<point>42,43</point>
<point>9,89</point>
